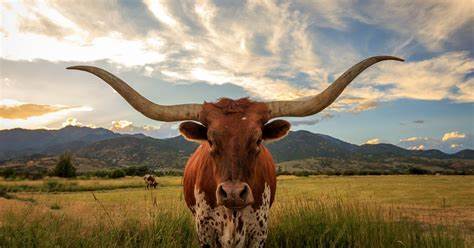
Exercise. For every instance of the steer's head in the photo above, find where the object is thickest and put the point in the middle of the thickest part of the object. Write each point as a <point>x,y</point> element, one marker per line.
<point>232,131</point>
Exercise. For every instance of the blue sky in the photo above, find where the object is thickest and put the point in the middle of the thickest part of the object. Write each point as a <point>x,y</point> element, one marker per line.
<point>194,51</point>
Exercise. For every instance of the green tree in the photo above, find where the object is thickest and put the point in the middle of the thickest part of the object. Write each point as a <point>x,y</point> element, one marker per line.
<point>64,167</point>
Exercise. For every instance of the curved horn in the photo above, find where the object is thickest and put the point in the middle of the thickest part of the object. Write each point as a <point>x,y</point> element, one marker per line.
<point>140,103</point>
<point>315,104</point>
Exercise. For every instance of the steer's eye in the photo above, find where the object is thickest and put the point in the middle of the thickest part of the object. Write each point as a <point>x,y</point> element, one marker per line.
<point>210,143</point>
<point>259,141</point>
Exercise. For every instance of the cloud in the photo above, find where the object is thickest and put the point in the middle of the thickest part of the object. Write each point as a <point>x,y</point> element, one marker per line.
<point>363,106</point>
<point>412,139</point>
<point>429,79</point>
<point>416,122</point>
<point>419,147</point>
<point>61,31</point>
<point>454,146</point>
<point>42,25</point>
<point>430,22</point>
<point>26,110</point>
<point>449,142</point>
<point>372,141</point>
<point>311,120</point>
<point>453,135</point>
<point>164,130</point>
<point>14,113</point>
<point>71,121</point>
<point>223,42</point>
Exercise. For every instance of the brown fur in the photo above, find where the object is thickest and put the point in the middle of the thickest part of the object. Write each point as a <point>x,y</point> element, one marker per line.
<point>230,150</point>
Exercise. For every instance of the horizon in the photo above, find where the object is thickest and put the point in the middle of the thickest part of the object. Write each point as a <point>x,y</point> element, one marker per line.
<point>172,55</point>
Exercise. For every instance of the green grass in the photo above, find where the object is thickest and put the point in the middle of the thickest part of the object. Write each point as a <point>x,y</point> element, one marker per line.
<point>387,211</point>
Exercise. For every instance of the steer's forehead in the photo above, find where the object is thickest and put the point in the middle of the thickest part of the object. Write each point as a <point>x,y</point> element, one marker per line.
<point>228,112</point>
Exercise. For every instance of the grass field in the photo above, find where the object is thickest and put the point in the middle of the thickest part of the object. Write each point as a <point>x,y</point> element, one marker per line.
<point>321,211</point>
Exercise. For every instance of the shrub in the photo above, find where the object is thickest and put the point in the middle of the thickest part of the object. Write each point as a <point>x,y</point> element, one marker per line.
<point>101,173</point>
<point>8,173</point>
<point>64,167</point>
<point>117,173</point>
<point>418,171</point>
<point>137,170</point>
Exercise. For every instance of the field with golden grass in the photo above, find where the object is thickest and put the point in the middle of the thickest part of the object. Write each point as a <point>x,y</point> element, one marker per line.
<point>319,211</point>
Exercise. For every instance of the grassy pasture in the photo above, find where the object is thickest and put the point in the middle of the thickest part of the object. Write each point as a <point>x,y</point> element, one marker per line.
<point>322,211</point>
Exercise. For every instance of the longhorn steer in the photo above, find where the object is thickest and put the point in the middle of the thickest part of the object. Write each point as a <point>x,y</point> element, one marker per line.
<point>230,181</point>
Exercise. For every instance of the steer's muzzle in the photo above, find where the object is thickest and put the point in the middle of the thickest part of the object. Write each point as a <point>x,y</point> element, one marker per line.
<point>234,195</point>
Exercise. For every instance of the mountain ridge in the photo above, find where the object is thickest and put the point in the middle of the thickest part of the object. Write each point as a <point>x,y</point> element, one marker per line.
<point>125,149</point>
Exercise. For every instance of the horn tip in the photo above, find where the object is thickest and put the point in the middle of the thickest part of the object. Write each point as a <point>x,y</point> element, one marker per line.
<point>395,58</point>
<point>399,59</point>
<point>76,67</point>
<point>82,67</point>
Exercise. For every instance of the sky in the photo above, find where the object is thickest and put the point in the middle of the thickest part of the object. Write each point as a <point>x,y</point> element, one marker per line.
<point>194,51</point>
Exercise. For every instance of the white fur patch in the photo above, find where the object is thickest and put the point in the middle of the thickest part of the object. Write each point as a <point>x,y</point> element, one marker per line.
<point>243,228</point>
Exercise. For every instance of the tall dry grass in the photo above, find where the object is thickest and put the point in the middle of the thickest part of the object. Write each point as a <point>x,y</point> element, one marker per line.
<point>308,212</point>
<point>317,223</point>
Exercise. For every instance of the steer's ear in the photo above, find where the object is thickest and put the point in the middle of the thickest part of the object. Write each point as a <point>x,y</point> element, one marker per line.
<point>193,131</point>
<point>275,130</point>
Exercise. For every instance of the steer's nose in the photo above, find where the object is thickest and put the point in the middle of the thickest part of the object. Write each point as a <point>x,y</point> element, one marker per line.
<point>234,194</point>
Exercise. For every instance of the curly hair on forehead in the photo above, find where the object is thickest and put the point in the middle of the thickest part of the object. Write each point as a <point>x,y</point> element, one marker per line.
<point>233,106</point>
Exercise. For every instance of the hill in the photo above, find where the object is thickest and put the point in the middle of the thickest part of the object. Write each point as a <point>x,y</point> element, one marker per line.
<point>103,148</point>
<point>17,143</point>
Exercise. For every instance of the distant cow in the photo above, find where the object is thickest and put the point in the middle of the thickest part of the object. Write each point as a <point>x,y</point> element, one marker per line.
<point>150,181</point>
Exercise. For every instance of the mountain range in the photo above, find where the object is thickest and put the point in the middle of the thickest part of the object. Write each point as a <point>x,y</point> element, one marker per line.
<point>99,146</point>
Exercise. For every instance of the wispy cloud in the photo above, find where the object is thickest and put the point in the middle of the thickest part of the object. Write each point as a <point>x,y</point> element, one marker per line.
<point>205,41</point>
<point>26,110</point>
<point>412,139</point>
<point>14,113</point>
<point>430,22</point>
<point>430,79</point>
<point>311,120</point>
<point>364,106</point>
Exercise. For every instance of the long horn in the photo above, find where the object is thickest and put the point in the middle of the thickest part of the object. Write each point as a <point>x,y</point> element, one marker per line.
<point>146,107</point>
<point>315,104</point>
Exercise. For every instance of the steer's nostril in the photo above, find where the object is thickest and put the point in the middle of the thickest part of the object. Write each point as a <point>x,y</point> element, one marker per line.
<point>244,192</point>
<point>222,192</point>
<point>234,195</point>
